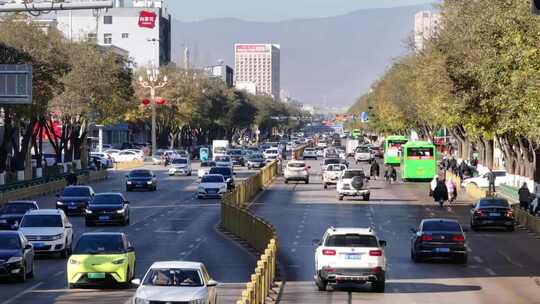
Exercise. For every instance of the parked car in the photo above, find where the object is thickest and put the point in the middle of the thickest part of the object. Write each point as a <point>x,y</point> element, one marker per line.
<point>74,199</point>
<point>126,156</point>
<point>112,153</point>
<point>48,230</point>
<point>309,153</point>
<point>205,167</point>
<point>180,166</point>
<point>353,182</point>
<point>212,185</point>
<point>296,170</point>
<point>438,238</point>
<point>12,212</point>
<point>332,173</point>
<point>102,258</point>
<point>156,157</point>
<point>482,180</point>
<point>350,255</point>
<point>227,173</point>
<point>141,179</point>
<point>107,208</point>
<point>105,159</point>
<point>16,256</point>
<point>176,282</point>
<point>255,160</point>
<point>492,212</point>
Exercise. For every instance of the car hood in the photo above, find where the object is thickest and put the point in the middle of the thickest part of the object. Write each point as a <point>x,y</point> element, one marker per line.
<point>41,230</point>
<point>175,293</point>
<point>5,254</point>
<point>11,216</point>
<point>90,260</point>
<point>255,160</point>
<point>213,185</point>
<point>179,166</point>
<point>104,207</point>
<point>74,198</point>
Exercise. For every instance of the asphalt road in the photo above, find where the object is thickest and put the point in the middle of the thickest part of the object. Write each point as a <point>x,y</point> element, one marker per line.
<point>504,267</point>
<point>170,224</point>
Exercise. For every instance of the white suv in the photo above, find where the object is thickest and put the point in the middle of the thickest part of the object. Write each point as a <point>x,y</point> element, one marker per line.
<point>48,230</point>
<point>353,182</point>
<point>350,255</point>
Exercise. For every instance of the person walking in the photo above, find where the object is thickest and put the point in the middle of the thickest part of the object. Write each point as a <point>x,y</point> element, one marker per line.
<point>491,182</point>
<point>440,194</point>
<point>452,190</point>
<point>524,197</point>
<point>374,169</point>
<point>71,178</point>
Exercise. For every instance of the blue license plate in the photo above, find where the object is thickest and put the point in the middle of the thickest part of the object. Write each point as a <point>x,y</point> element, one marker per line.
<point>442,250</point>
<point>104,217</point>
<point>38,245</point>
<point>353,257</point>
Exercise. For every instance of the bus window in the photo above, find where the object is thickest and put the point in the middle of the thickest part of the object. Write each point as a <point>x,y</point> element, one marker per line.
<point>420,153</point>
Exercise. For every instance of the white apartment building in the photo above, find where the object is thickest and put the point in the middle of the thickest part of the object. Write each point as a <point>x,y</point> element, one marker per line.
<point>258,64</point>
<point>426,24</point>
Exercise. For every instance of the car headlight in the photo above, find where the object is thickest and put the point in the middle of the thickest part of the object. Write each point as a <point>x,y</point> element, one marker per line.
<point>140,301</point>
<point>121,211</point>
<point>229,180</point>
<point>57,237</point>
<point>129,182</point>
<point>14,260</point>
<point>74,262</point>
<point>149,182</point>
<point>59,203</point>
<point>119,261</point>
<point>88,211</point>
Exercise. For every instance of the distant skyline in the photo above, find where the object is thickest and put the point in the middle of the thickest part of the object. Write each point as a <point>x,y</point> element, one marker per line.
<point>276,10</point>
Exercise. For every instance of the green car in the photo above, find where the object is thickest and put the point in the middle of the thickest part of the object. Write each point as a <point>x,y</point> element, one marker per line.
<point>101,258</point>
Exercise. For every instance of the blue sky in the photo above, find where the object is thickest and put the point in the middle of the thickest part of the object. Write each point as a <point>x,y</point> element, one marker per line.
<point>274,10</point>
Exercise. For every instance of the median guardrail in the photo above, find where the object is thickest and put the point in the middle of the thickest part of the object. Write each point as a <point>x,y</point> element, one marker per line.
<point>260,234</point>
<point>128,165</point>
<point>298,152</point>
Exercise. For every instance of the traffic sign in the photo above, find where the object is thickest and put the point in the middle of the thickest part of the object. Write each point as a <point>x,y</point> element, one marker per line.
<point>15,84</point>
<point>364,117</point>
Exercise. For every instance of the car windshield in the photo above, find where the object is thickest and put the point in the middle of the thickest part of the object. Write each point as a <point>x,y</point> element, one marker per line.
<point>221,170</point>
<point>173,277</point>
<point>220,149</point>
<point>235,152</point>
<point>441,226</point>
<point>296,165</point>
<point>351,240</point>
<point>208,164</point>
<point>271,151</point>
<point>17,208</point>
<point>494,203</point>
<point>76,191</point>
<point>353,173</point>
<point>41,220</point>
<point>362,150</point>
<point>256,157</point>
<point>140,173</point>
<point>335,168</point>
<point>212,179</point>
<point>100,244</point>
<point>222,158</point>
<point>107,199</point>
<point>180,161</point>
<point>9,241</point>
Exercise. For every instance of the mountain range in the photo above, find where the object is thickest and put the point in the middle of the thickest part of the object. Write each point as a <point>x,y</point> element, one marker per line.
<point>324,61</point>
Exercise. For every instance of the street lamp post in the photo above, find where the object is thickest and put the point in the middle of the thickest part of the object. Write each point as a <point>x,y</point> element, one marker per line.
<point>153,83</point>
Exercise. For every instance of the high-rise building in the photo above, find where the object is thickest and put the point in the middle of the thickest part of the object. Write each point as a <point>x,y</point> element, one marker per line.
<point>143,28</point>
<point>258,64</point>
<point>221,71</point>
<point>426,24</point>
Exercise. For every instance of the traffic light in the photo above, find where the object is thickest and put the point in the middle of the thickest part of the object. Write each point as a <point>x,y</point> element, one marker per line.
<point>535,6</point>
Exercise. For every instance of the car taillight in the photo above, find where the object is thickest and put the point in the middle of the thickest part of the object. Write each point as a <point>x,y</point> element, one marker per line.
<point>329,252</point>
<point>376,270</point>
<point>458,238</point>
<point>375,253</point>
<point>510,213</point>
<point>426,238</point>
<point>478,212</point>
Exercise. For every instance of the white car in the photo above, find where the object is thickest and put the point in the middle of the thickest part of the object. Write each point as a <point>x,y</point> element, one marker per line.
<point>296,170</point>
<point>212,185</point>
<point>341,153</point>
<point>353,182</point>
<point>126,156</point>
<point>362,153</point>
<point>309,153</point>
<point>223,161</point>
<point>271,154</point>
<point>332,173</point>
<point>104,158</point>
<point>204,168</point>
<point>330,153</point>
<point>321,144</point>
<point>180,166</point>
<point>138,151</point>
<point>176,282</point>
<point>320,152</point>
<point>48,230</point>
<point>482,180</point>
<point>112,153</point>
<point>183,153</point>
<point>350,255</point>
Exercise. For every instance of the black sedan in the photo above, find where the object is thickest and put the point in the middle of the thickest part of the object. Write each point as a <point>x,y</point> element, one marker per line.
<point>74,199</point>
<point>108,208</point>
<point>492,212</point>
<point>438,238</point>
<point>227,173</point>
<point>16,256</point>
<point>12,212</point>
<point>237,157</point>
<point>141,179</point>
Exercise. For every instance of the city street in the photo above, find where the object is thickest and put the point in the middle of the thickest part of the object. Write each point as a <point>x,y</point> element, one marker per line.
<point>169,224</point>
<point>504,267</point>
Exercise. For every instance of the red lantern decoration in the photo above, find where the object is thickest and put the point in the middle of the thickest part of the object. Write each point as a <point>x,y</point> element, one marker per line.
<point>146,101</point>
<point>161,101</point>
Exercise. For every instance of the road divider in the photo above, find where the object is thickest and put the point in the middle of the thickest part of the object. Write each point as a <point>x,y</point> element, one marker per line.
<point>298,152</point>
<point>128,165</point>
<point>258,233</point>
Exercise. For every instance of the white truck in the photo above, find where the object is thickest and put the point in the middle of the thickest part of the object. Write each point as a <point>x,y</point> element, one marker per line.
<point>219,148</point>
<point>350,146</point>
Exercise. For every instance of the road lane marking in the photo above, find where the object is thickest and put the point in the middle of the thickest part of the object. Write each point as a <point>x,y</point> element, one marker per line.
<point>478,259</point>
<point>58,273</point>
<point>509,260</point>
<point>169,231</point>
<point>490,272</point>
<point>22,293</point>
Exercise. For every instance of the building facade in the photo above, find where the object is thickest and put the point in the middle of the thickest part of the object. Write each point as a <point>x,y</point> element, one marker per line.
<point>426,24</point>
<point>143,29</point>
<point>258,64</point>
<point>221,71</point>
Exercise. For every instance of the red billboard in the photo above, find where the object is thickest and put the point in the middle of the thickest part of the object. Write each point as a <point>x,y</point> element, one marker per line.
<point>147,19</point>
<point>252,48</point>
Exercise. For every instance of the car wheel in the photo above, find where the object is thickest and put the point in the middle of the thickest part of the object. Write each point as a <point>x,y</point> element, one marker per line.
<point>378,286</point>
<point>31,273</point>
<point>340,197</point>
<point>88,223</point>
<point>325,185</point>
<point>128,219</point>
<point>199,197</point>
<point>65,253</point>
<point>510,228</point>
<point>286,181</point>
<point>189,174</point>
<point>307,181</point>
<point>127,284</point>
<point>417,258</point>
<point>72,286</point>
<point>366,197</point>
<point>22,277</point>
<point>321,284</point>
<point>462,259</point>
<point>128,189</point>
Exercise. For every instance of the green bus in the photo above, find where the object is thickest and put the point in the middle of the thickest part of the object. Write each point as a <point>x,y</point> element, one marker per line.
<point>419,161</point>
<point>392,149</point>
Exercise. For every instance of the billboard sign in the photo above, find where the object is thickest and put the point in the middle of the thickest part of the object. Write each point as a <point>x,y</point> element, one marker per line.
<point>364,117</point>
<point>147,19</point>
<point>15,84</point>
<point>252,48</point>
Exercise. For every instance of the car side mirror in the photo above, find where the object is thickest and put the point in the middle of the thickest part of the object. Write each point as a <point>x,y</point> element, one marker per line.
<point>212,283</point>
<point>136,282</point>
<point>382,243</point>
<point>316,242</point>
<point>413,230</point>
<point>130,249</point>
<point>28,247</point>
<point>127,202</point>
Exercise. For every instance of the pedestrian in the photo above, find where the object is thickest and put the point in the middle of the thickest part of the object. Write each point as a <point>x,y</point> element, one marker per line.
<point>440,194</point>
<point>452,190</point>
<point>433,185</point>
<point>97,163</point>
<point>167,160</point>
<point>374,170</point>
<point>71,178</point>
<point>524,197</point>
<point>491,182</point>
<point>388,173</point>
